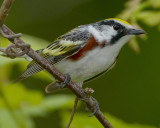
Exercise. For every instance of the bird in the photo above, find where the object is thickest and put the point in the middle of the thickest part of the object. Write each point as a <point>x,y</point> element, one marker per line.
<point>85,52</point>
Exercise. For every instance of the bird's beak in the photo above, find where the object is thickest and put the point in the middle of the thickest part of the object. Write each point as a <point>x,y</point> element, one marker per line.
<point>135,32</point>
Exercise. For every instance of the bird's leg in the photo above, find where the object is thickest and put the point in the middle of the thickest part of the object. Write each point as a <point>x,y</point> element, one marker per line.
<point>95,105</point>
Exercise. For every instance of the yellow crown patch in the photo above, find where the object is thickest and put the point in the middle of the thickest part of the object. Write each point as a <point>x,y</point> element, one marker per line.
<point>125,22</point>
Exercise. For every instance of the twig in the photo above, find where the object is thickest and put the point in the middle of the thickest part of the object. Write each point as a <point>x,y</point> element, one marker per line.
<point>6,5</point>
<point>78,91</point>
<point>73,111</point>
<point>10,36</point>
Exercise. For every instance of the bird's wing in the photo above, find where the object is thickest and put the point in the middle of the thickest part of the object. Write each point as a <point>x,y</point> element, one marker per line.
<point>65,46</point>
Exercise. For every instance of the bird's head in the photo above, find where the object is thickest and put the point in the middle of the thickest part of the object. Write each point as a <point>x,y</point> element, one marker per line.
<point>113,31</point>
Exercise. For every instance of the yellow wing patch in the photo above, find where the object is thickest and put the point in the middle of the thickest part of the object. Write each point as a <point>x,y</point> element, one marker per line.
<point>125,22</point>
<point>60,48</point>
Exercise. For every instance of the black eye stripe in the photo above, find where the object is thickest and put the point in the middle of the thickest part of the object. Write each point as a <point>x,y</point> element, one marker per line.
<point>111,23</point>
<point>117,37</point>
<point>116,27</point>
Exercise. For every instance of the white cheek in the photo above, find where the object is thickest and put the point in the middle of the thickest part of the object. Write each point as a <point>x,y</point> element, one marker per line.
<point>108,33</point>
<point>105,35</point>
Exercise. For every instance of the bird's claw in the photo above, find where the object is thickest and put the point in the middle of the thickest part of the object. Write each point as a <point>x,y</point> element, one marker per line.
<point>95,107</point>
<point>67,80</point>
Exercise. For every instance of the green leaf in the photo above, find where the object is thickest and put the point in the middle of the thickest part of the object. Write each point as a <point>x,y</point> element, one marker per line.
<point>6,119</point>
<point>81,120</point>
<point>35,42</point>
<point>17,96</point>
<point>134,45</point>
<point>14,119</point>
<point>50,103</point>
<point>20,105</point>
<point>155,3</point>
<point>151,18</point>
<point>118,123</point>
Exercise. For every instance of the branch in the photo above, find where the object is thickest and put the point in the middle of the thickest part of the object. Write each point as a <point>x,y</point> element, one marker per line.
<point>6,5</point>
<point>78,91</point>
<point>73,111</point>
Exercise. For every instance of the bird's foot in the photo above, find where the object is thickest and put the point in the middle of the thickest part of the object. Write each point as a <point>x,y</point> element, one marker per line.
<point>67,80</point>
<point>88,91</point>
<point>95,106</point>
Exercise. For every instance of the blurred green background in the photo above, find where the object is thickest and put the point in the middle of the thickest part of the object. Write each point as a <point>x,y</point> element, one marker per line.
<point>129,94</point>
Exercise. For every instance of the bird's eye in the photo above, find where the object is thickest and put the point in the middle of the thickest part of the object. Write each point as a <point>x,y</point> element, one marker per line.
<point>116,27</point>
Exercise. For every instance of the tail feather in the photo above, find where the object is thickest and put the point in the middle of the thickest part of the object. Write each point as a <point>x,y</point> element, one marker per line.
<point>18,79</point>
<point>54,86</point>
<point>57,85</point>
<point>33,67</point>
<point>29,72</point>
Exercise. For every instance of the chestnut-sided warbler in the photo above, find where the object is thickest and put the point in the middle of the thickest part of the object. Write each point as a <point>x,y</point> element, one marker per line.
<point>85,52</point>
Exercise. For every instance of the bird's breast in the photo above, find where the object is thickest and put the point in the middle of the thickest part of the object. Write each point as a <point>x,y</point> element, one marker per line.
<point>94,62</point>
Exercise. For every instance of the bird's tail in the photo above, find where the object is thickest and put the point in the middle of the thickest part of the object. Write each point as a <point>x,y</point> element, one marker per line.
<point>57,85</point>
<point>31,70</point>
<point>54,86</point>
